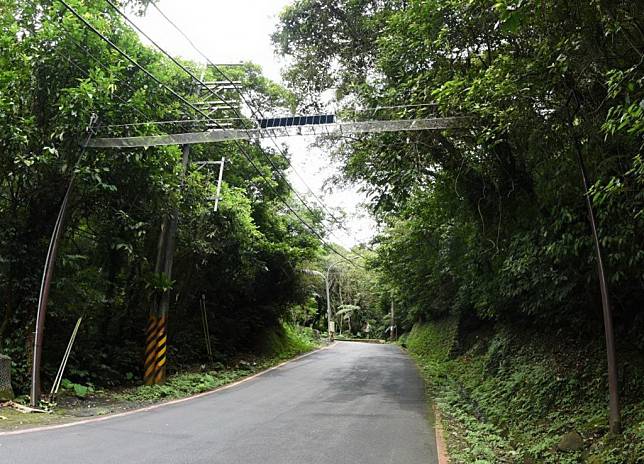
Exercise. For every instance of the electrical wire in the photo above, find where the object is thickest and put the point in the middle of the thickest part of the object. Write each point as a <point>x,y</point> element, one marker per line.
<point>88,76</point>
<point>85,72</point>
<point>187,71</point>
<point>128,57</point>
<point>171,122</point>
<point>389,107</point>
<point>254,111</point>
<point>102,65</point>
<point>219,97</point>
<point>187,103</point>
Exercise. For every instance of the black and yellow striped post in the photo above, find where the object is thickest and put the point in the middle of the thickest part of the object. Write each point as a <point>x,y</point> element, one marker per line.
<point>161,350</point>
<point>156,347</point>
<point>149,364</point>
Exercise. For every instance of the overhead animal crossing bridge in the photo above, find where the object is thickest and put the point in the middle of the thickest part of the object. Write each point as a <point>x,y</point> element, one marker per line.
<point>284,127</point>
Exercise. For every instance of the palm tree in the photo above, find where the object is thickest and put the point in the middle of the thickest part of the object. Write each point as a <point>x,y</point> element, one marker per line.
<point>345,312</point>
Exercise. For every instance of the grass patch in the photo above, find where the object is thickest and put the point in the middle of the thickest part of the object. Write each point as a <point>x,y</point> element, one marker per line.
<point>277,345</point>
<point>432,341</point>
<point>287,341</point>
<point>11,419</point>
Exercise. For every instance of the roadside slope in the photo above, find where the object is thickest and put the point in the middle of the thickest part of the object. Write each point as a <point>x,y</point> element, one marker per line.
<point>514,395</point>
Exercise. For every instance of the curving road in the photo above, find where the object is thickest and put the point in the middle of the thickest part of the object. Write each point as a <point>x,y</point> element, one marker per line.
<point>353,403</point>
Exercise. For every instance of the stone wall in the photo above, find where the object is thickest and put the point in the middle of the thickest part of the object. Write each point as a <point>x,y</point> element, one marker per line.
<point>6,392</point>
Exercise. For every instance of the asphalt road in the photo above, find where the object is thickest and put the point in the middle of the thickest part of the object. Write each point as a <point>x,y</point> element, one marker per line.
<point>353,403</point>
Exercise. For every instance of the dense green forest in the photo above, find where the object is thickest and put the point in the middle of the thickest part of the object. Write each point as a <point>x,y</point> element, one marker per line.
<point>492,219</point>
<point>246,259</point>
<point>487,226</point>
<point>484,248</point>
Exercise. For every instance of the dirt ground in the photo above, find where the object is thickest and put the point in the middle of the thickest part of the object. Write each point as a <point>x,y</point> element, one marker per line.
<point>68,409</point>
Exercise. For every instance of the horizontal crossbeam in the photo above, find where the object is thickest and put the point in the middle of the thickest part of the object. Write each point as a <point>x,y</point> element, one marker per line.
<point>336,129</point>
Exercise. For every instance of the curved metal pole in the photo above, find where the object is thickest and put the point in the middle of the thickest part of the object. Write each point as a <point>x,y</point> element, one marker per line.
<point>48,273</point>
<point>614,415</point>
<point>43,298</point>
<point>615,423</point>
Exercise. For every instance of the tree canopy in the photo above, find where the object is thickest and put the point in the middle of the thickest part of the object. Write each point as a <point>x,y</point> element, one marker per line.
<point>54,75</point>
<point>490,220</point>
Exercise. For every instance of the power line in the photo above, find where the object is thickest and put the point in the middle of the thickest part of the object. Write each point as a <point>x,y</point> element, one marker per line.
<point>88,75</point>
<point>254,112</point>
<point>251,108</point>
<point>128,57</point>
<point>187,103</point>
<point>170,122</point>
<point>71,38</point>
<point>216,95</point>
<point>102,65</point>
<point>203,84</point>
<point>375,109</point>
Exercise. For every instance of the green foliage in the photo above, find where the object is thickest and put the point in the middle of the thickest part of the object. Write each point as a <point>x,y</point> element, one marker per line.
<point>277,345</point>
<point>435,340</point>
<point>490,220</point>
<point>513,394</point>
<point>354,293</point>
<point>54,74</point>
<point>182,385</point>
<point>287,341</point>
<point>81,391</point>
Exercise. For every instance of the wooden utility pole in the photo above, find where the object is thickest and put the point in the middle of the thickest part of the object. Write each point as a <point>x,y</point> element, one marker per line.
<point>157,329</point>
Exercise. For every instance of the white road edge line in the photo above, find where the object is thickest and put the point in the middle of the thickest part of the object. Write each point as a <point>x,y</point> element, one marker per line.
<point>167,403</point>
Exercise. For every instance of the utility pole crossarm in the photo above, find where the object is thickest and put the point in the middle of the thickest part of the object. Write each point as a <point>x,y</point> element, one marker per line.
<point>342,128</point>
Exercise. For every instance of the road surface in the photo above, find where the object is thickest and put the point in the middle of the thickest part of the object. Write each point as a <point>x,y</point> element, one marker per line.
<point>353,403</point>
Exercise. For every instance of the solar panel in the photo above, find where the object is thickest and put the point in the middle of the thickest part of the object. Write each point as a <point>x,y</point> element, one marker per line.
<point>267,123</point>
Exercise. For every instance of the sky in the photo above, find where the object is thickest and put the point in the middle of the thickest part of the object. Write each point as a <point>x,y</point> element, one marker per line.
<point>239,31</point>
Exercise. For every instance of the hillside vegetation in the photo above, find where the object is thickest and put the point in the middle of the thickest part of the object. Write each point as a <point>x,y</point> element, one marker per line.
<point>492,234</point>
<point>511,395</point>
